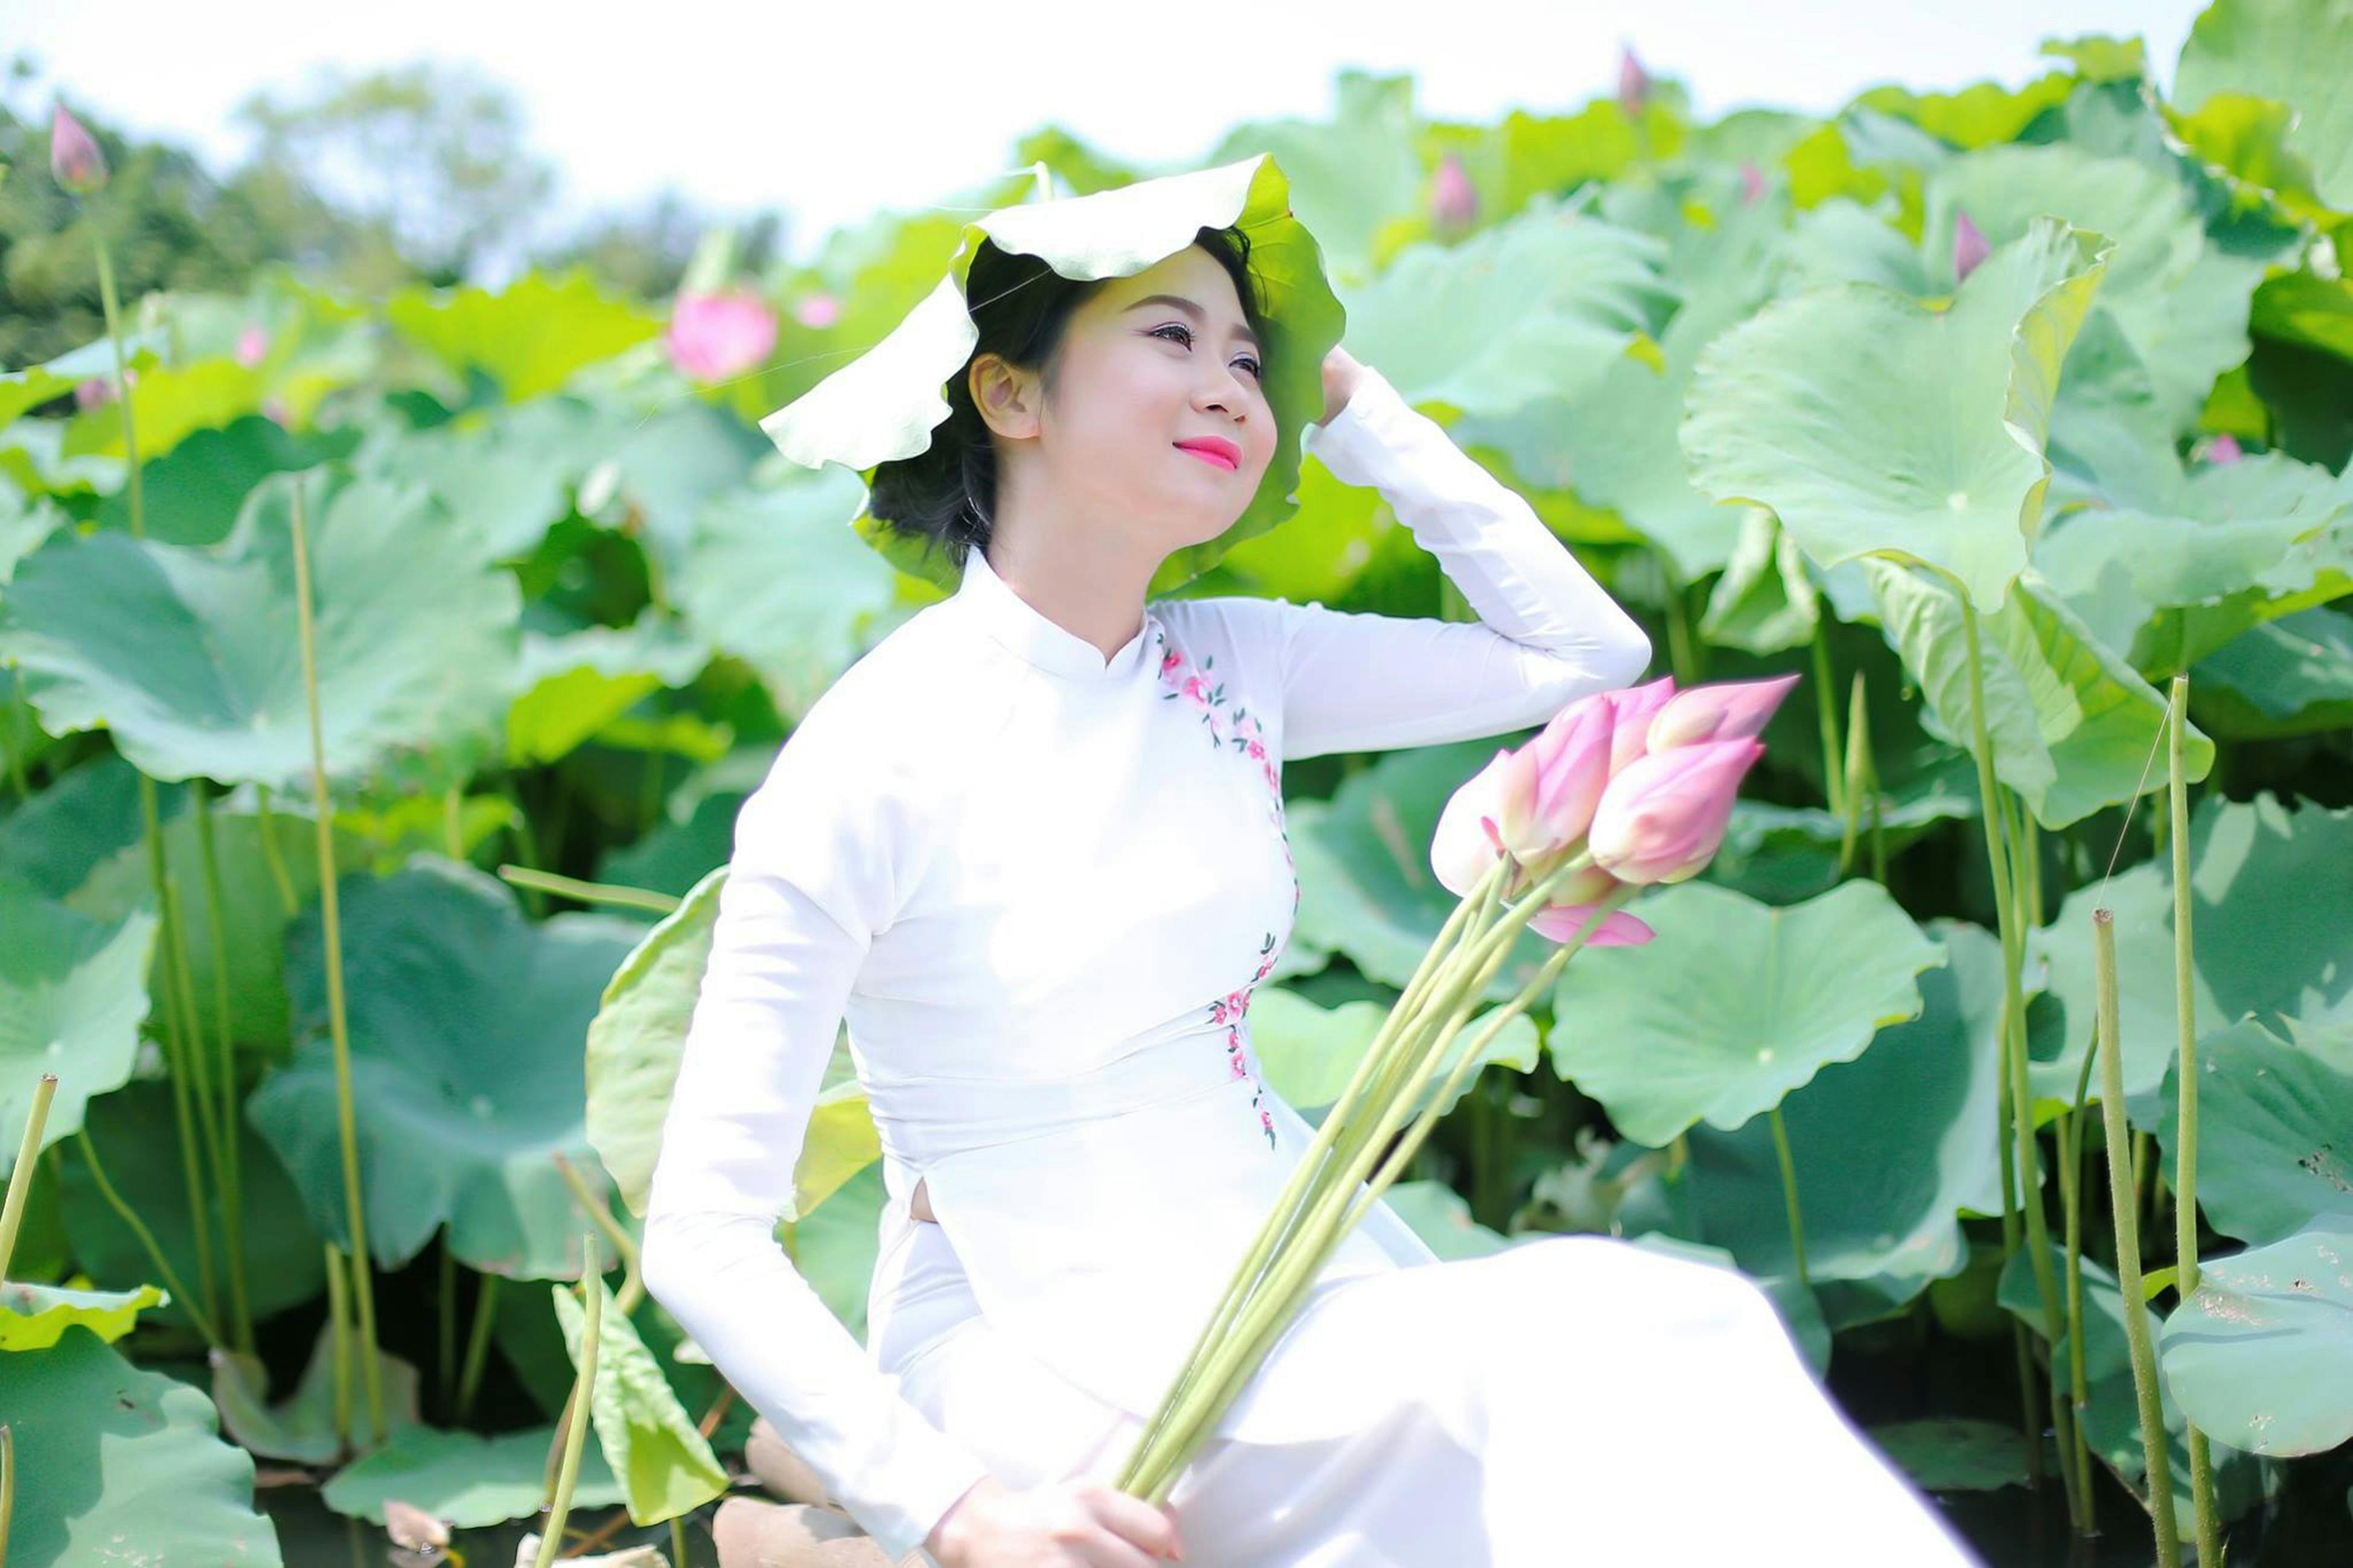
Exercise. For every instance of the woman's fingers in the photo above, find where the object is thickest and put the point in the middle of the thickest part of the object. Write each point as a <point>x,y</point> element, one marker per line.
<point>1151,1529</point>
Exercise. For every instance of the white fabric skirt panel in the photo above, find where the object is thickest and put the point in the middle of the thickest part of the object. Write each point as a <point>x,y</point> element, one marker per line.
<point>1572,1400</point>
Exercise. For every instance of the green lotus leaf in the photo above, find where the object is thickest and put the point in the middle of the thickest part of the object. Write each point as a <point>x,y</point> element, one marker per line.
<point>635,1044</point>
<point>1367,888</point>
<point>1437,1215</point>
<point>170,403</point>
<point>54,840</point>
<point>2303,308</point>
<point>2297,51</point>
<point>575,684</point>
<point>114,1464</point>
<point>35,1317</point>
<point>2274,1134</point>
<point>836,1245</point>
<point>1733,1004</point>
<point>2141,899</point>
<point>1978,115</point>
<point>1954,1454</point>
<point>21,390</point>
<point>1763,602</point>
<point>1873,426</point>
<point>466,1028</point>
<point>1890,1149</point>
<point>1781,854</point>
<point>2111,1418</point>
<point>2292,675</point>
<point>2261,1353</point>
<point>2223,549</point>
<point>2099,58</point>
<point>884,405</point>
<point>666,1467</point>
<point>1539,307</point>
<point>25,522</point>
<point>2182,304</point>
<point>251,938</point>
<point>1350,174</point>
<point>2072,725</point>
<point>303,1426</point>
<point>666,469</point>
<point>771,577</point>
<point>1310,1052</point>
<point>472,1481</point>
<point>531,337</point>
<point>504,476</point>
<point>139,1145</point>
<point>191,658</point>
<point>72,995</point>
<point>693,839</point>
<point>193,493</point>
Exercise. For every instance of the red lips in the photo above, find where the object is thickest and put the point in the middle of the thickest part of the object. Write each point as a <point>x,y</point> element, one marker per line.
<point>1215,447</point>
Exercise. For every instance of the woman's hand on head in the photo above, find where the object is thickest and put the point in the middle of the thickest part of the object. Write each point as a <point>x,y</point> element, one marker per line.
<point>1340,368</point>
<point>1063,1524</point>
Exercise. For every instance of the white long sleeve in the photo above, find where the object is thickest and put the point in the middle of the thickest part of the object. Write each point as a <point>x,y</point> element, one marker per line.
<point>812,879</point>
<point>1547,634</point>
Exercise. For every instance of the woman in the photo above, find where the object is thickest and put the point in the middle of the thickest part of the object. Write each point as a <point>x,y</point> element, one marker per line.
<point>1032,845</point>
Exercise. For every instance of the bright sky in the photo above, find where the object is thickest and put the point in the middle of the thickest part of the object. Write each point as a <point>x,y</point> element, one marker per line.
<point>831,110</point>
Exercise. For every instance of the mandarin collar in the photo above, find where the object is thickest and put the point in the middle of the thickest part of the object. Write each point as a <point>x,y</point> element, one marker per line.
<point>1031,634</point>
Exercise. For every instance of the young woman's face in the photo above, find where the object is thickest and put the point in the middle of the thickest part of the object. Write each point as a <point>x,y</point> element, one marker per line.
<point>1149,362</point>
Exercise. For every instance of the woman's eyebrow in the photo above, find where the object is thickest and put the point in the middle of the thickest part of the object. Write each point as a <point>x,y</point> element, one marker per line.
<point>1194,310</point>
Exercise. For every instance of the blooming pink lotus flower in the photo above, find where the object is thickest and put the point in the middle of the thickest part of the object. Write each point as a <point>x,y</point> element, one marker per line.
<point>1969,246</point>
<point>252,347</point>
<point>1663,818</point>
<point>1454,200</point>
<point>2224,449</point>
<point>1631,710</point>
<point>819,309</point>
<point>714,336</point>
<point>1720,710</point>
<point>75,162</point>
<point>1468,839</point>
<point>1633,83</point>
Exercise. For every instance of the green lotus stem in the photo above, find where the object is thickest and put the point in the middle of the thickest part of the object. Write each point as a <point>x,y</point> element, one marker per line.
<point>2030,1424</point>
<point>1826,719</point>
<point>576,1426</point>
<point>2071,1194</point>
<point>1370,1068</point>
<point>8,1487</point>
<point>526,849</point>
<point>445,1322</point>
<point>1789,1195</point>
<point>339,1321</point>
<point>564,887</point>
<point>2127,1223</point>
<point>1682,656</point>
<point>677,1541</point>
<point>2013,1026</point>
<point>124,1212</point>
<point>628,1295</point>
<point>453,826</point>
<point>232,1174</point>
<point>1339,1206</point>
<point>338,1023</point>
<point>478,1345</point>
<point>20,1174</point>
<point>2208,1516</point>
<point>267,821</point>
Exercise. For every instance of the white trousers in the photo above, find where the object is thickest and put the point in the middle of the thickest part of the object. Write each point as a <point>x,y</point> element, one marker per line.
<point>1573,1400</point>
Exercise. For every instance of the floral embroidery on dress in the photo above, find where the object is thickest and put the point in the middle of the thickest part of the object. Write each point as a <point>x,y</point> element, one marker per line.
<point>1236,728</point>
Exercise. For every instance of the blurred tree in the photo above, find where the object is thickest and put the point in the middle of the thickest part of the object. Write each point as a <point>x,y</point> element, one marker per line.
<point>425,161</point>
<point>645,252</point>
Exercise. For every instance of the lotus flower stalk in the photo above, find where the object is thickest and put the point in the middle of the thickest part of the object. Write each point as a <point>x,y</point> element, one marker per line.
<point>2208,1516</point>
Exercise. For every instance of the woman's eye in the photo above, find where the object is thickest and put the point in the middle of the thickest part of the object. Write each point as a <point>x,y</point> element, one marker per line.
<point>1257,371</point>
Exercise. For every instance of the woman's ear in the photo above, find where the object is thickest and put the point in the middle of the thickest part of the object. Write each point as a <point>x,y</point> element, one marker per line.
<point>1005,396</point>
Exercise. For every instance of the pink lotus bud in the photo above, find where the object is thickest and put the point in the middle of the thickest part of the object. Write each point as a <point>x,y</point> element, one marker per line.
<point>1631,710</point>
<point>1662,819</point>
<point>1633,83</point>
<point>75,162</point>
<point>1454,200</point>
<point>2224,449</point>
<point>1720,710</point>
<point>714,336</point>
<point>1752,182</point>
<point>1969,246</point>
<point>90,394</point>
<point>818,311</point>
<point>1467,839</point>
<point>1571,757</point>
<point>252,346</point>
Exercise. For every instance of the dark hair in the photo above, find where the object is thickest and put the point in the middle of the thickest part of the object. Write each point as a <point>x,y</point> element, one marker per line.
<point>946,495</point>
